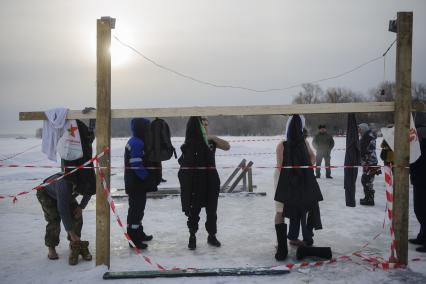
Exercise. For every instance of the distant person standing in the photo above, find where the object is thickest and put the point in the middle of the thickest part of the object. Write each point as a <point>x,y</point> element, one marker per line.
<point>368,162</point>
<point>323,143</point>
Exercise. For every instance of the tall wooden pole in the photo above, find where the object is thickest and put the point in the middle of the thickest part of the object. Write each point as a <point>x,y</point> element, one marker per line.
<point>402,125</point>
<point>103,136</point>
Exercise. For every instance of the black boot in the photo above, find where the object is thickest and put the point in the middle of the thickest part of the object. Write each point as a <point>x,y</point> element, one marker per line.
<point>369,198</point>
<point>323,252</point>
<point>134,236</point>
<point>282,249</point>
<point>142,236</point>
<point>192,243</point>
<point>211,239</point>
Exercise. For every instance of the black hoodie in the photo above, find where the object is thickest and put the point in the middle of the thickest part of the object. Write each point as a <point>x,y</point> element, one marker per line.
<point>198,186</point>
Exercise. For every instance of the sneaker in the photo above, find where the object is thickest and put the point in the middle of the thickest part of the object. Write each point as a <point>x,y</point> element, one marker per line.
<point>211,239</point>
<point>329,177</point>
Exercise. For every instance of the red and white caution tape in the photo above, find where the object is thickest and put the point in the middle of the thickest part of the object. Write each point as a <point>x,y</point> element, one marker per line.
<point>187,168</point>
<point>389,200</point>
<point>111,203</point>
<point>43,185</point>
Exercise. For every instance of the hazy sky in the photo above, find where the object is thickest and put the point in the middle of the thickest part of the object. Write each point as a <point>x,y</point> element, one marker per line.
<point>47,56</point>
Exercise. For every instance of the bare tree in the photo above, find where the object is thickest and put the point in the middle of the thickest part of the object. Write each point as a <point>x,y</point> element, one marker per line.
<point>311,94</point>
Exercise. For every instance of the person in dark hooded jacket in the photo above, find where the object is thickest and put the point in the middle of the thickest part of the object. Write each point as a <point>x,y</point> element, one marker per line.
<point>297,189</point>
<point>140,176</point>
<point>200,186</point>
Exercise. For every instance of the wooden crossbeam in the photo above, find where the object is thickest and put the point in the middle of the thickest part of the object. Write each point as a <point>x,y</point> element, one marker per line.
<point>234,110</point>
<point>227,110</point>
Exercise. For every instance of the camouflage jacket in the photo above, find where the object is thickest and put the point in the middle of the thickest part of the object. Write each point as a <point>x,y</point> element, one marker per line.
<point>368,149</point>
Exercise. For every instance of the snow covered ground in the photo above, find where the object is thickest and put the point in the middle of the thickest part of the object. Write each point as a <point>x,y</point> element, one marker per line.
<point>245,226</point>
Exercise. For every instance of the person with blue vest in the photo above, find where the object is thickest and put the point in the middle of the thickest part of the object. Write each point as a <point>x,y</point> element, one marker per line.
<point>140,176</point>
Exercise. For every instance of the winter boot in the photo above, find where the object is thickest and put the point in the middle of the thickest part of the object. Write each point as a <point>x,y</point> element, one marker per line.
<point>133,234</point>
<point>211,240</point>
<point>84,251</point>
<point>192,243</point>
<point>323,252</point>
<point>369,199</point>
<point>142,236</point>
<point>421,249</point>
<point>282,249</point>
<point>75,248</point>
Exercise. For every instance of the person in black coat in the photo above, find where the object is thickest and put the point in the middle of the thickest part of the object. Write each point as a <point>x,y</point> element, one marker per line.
<point>418,179</point>
<point>297,188</point>
<point>200,186</point>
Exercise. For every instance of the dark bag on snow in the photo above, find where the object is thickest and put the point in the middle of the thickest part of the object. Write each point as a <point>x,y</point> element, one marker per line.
<point>159,145</point>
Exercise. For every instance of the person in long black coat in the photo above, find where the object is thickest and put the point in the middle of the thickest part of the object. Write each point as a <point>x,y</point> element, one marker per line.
<point>418,179</point>
<point>298,188</point>
<point>199,179</point>
<point>352,158</point>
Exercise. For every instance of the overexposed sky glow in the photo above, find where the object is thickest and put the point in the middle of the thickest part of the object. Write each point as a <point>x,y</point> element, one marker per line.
<point>48,50</point>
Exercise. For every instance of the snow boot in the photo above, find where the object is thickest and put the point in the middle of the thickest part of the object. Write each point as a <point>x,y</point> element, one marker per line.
<point>75,247</point>
<point>282,249</point>
<point>84,251</point>
<point>369,198</point>
<point>416,241</point>
<point>142,236</point>
<point>133,235</point>
<point>211,240</point>
<point>322,252</point>
<point>192,243</point>
<point>421,249</point>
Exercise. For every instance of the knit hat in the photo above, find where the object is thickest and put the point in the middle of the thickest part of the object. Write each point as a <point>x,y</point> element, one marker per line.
<point>364,127</point>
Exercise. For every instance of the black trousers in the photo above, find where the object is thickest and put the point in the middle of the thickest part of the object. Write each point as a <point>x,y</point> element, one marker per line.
<point>294,228</point>
<point>211,220</point>
<point>137,202</point>
<point>327,158</point>
<point>419,197</point>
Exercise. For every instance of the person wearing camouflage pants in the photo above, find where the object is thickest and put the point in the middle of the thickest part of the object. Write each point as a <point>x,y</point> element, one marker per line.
<point>58,202</point>
<point>368,162</point>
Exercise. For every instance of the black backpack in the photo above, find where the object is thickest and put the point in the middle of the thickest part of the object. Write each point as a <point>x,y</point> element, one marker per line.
<point>158,144</point>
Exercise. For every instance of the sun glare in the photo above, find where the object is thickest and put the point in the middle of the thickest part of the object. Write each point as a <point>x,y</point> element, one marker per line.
<point>120,55</point>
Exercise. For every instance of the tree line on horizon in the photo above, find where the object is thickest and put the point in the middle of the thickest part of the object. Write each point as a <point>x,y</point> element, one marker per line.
<point>275,124</point>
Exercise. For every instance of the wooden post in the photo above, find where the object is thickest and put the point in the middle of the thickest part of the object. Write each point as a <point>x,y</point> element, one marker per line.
<point>103,136</point>
<point>244,179</point>
<point>250,179</point>
<point>240,177</point>
<point>402,125</point>
<point>234,173</point>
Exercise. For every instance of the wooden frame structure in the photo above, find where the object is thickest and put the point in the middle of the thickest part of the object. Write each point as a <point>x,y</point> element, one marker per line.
<point>401,107</point>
